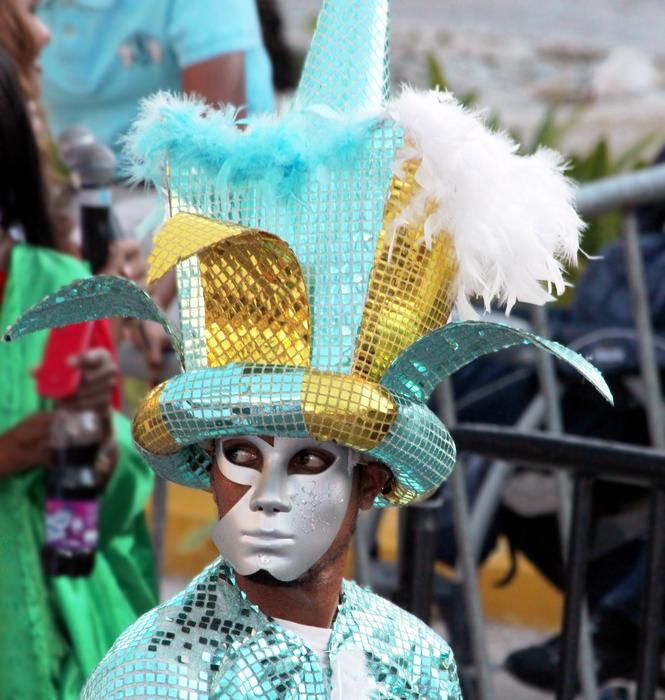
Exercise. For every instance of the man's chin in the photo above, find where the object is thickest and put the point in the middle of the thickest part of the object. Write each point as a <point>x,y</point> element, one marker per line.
<point>265,578</point>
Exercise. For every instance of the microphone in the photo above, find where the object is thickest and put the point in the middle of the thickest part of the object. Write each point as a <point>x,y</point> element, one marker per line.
<point>93,166</point>
<point>70,139</point>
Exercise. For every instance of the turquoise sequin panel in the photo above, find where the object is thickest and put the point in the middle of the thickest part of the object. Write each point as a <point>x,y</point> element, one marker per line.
<point>418,449</point>
<point>234,400</point>
<point>188,467</point>
<point>347,66</point>
<point>332,223</point>
<point>210,642</point>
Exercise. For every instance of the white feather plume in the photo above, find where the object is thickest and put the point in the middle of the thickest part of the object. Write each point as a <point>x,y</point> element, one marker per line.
<point>512,217</point>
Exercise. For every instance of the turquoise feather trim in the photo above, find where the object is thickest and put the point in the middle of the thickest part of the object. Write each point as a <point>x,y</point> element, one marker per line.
<point>275,156</point>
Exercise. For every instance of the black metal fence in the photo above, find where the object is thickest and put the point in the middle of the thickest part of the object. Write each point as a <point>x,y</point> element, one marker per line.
<point>578,462</point>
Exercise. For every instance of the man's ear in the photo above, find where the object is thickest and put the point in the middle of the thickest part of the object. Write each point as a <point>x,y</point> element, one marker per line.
<point>373,478</point>
<point>214,485</point>
<point>215,474</point>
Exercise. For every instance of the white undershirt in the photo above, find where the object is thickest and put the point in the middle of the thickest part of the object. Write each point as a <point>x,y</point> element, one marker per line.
<point>316,638</point>
<point>349,677</point>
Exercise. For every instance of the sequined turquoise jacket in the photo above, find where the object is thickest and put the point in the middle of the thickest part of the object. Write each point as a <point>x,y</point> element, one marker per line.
<point>210,642</point>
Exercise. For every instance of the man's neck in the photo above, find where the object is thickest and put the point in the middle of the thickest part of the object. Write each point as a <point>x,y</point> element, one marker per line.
<point>313,603</point>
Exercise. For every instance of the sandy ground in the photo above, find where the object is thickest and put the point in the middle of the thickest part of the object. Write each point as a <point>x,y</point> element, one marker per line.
<point>599,23</point>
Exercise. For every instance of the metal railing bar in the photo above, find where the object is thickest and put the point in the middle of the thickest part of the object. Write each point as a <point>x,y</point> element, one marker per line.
<point>604,459</point>
<point>466,562</point>
<point>489,495</point>
<point>575,584</point>
<point>621,192</point>
<point>649,369</point>
<point>554,422</point>
<point>652,612</point>
<point>418,526</point>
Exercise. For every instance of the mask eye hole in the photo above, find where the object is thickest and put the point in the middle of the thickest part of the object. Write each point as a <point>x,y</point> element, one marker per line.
<point>310,462</point>
<point>243,454</point>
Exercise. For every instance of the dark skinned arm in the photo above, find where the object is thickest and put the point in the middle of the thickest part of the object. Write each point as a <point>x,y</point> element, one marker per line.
<point>218,80</point>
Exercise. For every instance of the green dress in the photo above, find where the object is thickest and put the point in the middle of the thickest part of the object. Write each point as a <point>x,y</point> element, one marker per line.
<point>55,630</point>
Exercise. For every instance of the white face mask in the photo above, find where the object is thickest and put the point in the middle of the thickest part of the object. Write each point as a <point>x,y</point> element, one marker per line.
<point>285,522</point>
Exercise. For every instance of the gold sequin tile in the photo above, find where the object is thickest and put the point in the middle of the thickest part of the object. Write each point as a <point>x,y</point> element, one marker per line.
<point>182,236</point>
<point>346,409</point>
<point>256,307</point>
<point>412,288</point>
<point>149,429</point>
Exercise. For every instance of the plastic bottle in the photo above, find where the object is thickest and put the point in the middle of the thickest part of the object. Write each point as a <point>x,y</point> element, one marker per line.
<point>72,508</point>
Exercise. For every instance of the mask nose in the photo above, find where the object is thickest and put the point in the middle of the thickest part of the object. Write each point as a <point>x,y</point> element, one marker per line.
<point>271,494</point>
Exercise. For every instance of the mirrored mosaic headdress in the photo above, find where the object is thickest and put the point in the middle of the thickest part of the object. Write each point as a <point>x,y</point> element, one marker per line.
<point>319,256</point>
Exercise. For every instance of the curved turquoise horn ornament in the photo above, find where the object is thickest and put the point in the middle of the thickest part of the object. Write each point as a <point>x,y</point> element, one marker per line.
<point>91,299</point>
<point>420,368</point>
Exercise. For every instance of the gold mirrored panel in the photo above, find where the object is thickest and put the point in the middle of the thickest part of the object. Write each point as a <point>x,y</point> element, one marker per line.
<point>256,307</point>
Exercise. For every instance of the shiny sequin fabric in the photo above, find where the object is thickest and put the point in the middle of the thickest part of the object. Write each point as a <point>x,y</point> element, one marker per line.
<point>211,643</point>
<point>439,354</point>
<point>412,286</point>
<point>314,287</point>
<point>318,314</point>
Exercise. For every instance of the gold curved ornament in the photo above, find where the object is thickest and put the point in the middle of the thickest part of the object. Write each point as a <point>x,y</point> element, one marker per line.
<point>256,307</point>
<point>412,287</point>
<point>398,495</point>
<point>349,410</point>
<point>182,236</point>
<point>149,428</point>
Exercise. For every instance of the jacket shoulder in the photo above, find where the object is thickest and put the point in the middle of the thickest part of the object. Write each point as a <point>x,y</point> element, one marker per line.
<point>155,651</point>
<point>131,660</point>
<point>395,620</point>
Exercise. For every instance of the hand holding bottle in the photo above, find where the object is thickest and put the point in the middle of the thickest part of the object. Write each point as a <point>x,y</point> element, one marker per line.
<point>99,375</point>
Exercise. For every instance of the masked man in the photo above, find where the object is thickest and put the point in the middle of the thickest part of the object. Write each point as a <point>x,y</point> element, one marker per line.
<point>319,257</point>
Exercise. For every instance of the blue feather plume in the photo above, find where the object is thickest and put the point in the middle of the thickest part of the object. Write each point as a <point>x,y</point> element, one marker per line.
<point>276,155</point>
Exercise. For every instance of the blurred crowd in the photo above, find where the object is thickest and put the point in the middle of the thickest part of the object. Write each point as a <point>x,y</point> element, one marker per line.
<point>72,75</point>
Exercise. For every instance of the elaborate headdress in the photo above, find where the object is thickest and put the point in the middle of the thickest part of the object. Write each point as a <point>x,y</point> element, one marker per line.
<point>319,257</point>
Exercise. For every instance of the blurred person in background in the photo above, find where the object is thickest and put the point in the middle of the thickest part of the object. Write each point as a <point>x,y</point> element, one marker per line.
<point>105,56</point>
<point>285,66</point>
<point>23,37</point>
<point>601,306</point>
<point>55,629</point>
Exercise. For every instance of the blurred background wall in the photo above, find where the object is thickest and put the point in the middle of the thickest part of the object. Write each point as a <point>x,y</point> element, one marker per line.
<point>600,62</point>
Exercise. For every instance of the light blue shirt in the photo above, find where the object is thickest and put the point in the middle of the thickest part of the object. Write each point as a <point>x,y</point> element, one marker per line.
<point>105,55</point>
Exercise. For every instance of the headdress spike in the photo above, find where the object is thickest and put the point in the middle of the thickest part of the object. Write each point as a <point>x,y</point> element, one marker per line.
<point>347,66</point>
